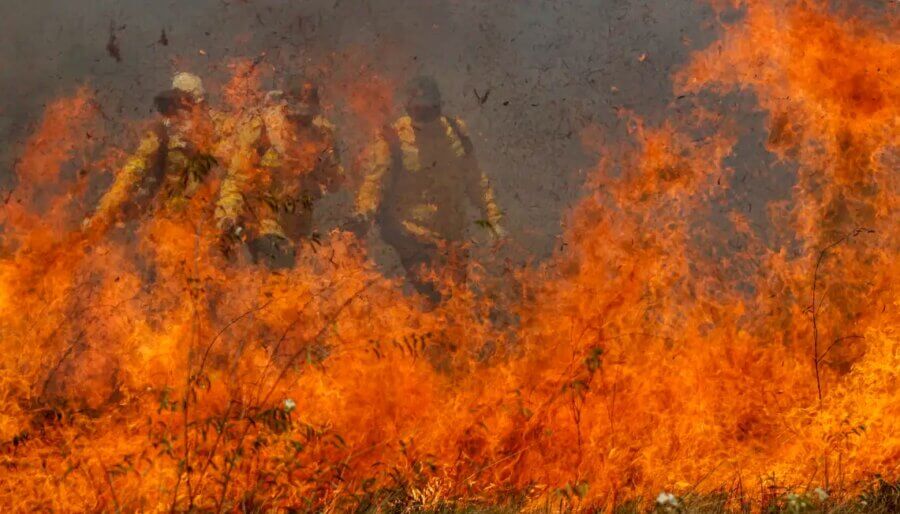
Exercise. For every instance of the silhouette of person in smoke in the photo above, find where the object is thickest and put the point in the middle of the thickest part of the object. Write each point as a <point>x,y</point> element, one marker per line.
<point>419,174</point>
<point>286,161</point>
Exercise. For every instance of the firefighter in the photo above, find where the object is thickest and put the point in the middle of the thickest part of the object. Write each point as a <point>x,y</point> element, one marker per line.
<point>285,161</point>
<point>172,159</point>
<point>420,173</point>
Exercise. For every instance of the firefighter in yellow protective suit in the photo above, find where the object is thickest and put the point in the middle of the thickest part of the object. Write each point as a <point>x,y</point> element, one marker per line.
<point>420,173</point>
<point>169,167</point>
<point>172,159</point>
<point>285,160</point>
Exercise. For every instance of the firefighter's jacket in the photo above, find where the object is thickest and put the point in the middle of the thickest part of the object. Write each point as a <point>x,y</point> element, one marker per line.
<point>417,178</point>
<point>278,171</point>
<point>166,170</point>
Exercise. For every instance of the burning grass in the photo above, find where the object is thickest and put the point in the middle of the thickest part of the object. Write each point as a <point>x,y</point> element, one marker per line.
<point>149,373</point>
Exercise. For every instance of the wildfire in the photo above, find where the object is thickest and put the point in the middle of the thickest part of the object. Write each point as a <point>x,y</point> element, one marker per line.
<point>151,373</point>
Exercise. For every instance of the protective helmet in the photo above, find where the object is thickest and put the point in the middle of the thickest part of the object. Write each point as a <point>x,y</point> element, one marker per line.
<point>298,87</point>
<point>189,83</point>
<point>302,97</point>
<point>274,97</point>
<point>423,100</point>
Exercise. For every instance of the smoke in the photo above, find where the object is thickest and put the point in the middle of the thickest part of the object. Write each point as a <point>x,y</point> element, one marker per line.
<point>669,347</point>
<point>528,77</point>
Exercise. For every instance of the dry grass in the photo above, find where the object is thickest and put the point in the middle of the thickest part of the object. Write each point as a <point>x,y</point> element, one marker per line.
<point>881,498</point>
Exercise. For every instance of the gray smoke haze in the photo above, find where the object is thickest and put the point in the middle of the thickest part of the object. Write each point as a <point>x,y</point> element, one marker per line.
<point>552,68</point>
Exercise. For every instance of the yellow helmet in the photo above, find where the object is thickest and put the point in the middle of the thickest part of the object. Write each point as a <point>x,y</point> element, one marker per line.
<point>189,83</point>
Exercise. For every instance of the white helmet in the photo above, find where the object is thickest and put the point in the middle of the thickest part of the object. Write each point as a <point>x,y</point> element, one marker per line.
<point>275,97</point>
<point>189,83</point>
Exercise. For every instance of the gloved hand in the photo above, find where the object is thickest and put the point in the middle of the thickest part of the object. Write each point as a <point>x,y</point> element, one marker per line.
<point>499,237</point>
<point>499,232</point>
<point>231,234</point>
<point>95,225</point>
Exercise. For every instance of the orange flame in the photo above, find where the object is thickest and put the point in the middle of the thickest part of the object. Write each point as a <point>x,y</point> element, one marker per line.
<point>154,374</point>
